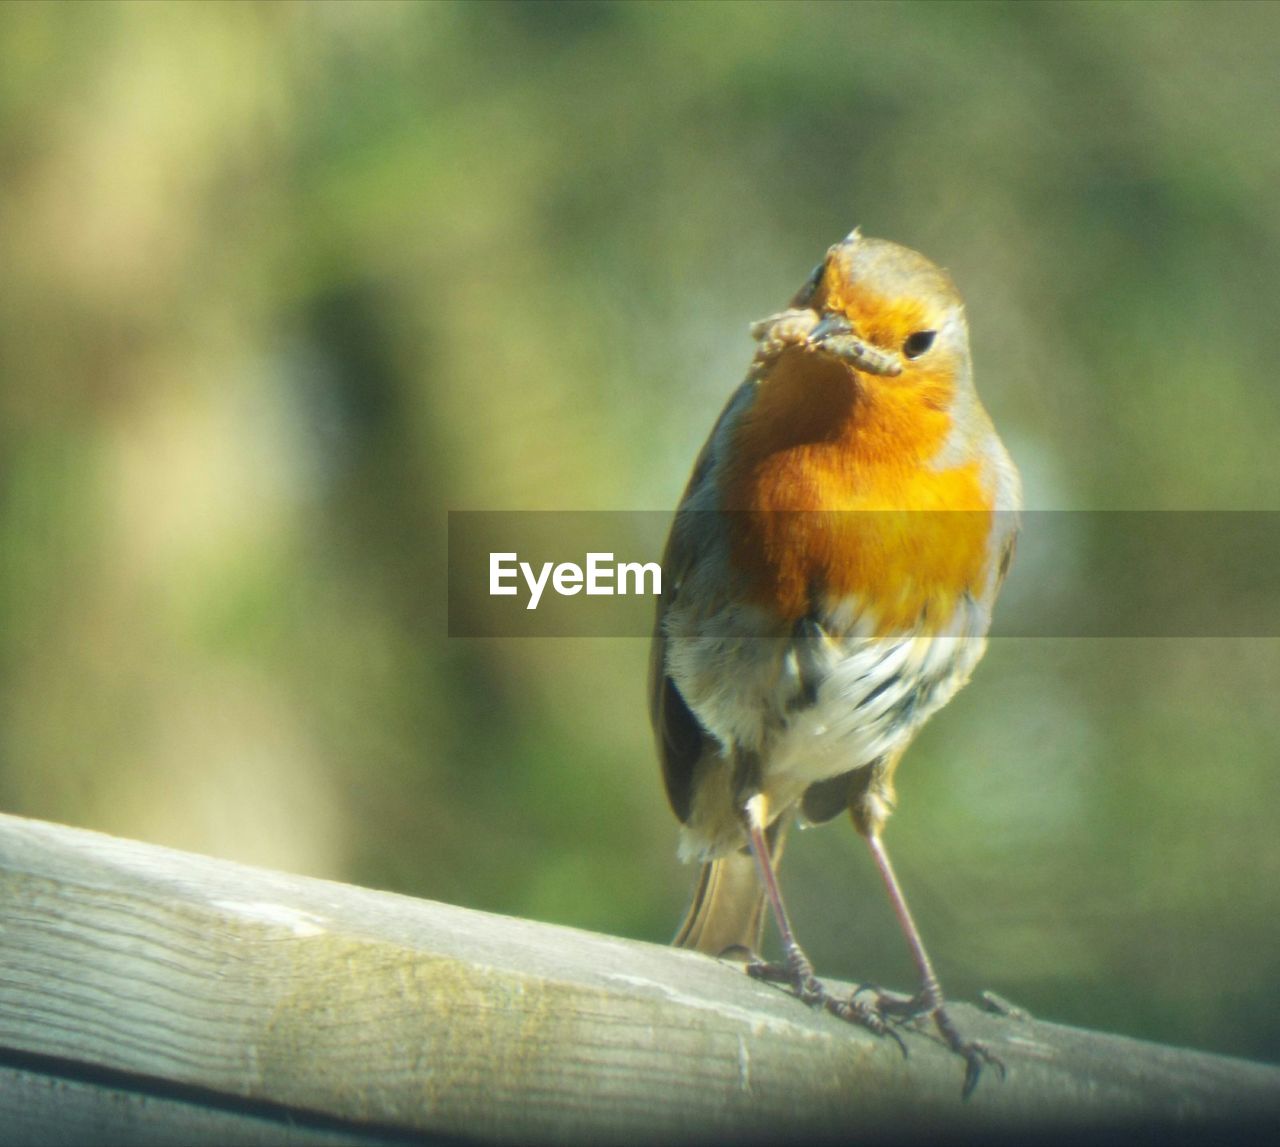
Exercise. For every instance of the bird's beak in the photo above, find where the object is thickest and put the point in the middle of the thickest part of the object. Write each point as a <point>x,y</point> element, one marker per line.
<point>834,335</point>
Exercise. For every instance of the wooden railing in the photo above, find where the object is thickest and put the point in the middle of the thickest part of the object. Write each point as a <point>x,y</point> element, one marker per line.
<point>154,996</point>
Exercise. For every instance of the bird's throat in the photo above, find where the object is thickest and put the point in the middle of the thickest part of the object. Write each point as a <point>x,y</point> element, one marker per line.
<point>837,495</point>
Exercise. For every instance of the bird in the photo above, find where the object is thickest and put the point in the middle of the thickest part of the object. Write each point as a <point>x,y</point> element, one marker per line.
<point>829,579</point>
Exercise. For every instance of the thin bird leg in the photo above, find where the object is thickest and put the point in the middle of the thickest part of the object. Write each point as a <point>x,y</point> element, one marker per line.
<point>929,1000</point>
<point>796,969</point>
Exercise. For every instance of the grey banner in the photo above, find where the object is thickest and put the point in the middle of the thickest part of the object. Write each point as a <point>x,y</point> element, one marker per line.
<point>1074,573</point>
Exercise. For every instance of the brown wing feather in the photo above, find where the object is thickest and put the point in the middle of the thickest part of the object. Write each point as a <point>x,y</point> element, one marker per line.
<point>680,737</point>
<point>679,734</point>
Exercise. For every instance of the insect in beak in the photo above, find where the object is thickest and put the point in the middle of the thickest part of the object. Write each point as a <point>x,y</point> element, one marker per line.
<point>835,336</point>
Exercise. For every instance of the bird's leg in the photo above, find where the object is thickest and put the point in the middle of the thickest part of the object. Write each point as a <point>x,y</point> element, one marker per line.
<point>796,968</point>
<point>928,1000</point>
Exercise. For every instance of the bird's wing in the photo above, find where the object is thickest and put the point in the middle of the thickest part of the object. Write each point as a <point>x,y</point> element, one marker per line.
<point>680,737</point>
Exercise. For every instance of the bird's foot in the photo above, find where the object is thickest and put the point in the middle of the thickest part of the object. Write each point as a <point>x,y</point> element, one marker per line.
<point>796,972</point>
<point>976,1055</point>
<point>926,1003</point>
<point>905,1009</point>
<point>855,1011</point>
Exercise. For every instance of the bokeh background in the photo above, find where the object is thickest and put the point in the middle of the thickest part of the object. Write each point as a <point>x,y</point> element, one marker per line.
<point>280,284</point>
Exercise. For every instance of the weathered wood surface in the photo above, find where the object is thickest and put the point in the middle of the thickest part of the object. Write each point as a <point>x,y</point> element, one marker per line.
<point>145,993</point>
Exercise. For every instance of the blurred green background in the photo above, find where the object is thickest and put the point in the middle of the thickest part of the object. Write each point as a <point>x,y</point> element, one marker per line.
<point>281,284</point>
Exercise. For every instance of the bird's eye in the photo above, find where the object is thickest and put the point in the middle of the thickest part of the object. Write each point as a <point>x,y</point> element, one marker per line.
<point>918,343</point>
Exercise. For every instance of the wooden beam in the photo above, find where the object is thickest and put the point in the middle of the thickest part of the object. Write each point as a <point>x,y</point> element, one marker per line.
<point>268,1005</point>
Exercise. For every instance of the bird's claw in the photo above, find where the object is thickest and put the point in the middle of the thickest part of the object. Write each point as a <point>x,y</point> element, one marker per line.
<point>796,972</point>
<point>881,1016</point>
<point>927,1004</point>
<point>905,1008</point>
<point>855,1011</point>
<point>976,1056</point>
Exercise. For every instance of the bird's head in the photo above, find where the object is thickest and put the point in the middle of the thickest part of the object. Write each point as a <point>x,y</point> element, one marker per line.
<point>889,314</point>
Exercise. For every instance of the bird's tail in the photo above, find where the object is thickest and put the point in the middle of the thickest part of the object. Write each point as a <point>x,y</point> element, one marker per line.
<point>728,909</point>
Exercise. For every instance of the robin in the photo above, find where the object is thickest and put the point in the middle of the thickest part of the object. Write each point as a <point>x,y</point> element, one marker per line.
<point>829,581</point>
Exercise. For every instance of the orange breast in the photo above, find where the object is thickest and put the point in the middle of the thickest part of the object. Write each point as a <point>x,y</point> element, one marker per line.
<point>834,494</point>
